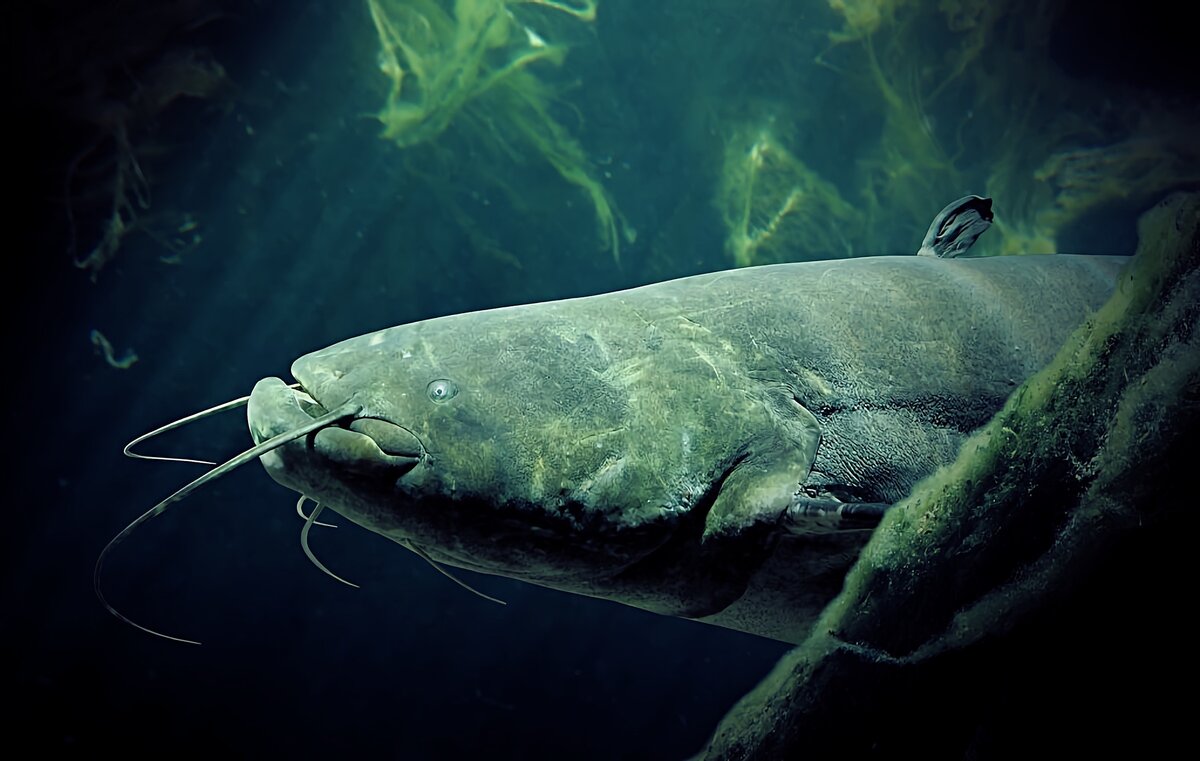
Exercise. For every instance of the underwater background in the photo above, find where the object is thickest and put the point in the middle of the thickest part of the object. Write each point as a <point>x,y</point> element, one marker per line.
<point>211,189</point>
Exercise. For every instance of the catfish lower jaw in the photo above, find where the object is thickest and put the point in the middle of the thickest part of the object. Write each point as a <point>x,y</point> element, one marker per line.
<point>369,447</point>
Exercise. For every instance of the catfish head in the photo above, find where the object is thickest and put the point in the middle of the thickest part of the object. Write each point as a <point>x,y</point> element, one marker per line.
<point>587,445</point>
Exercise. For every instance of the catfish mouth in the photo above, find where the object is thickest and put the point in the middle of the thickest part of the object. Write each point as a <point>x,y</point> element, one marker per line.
<point>360,444</point>
<point>290,429</point>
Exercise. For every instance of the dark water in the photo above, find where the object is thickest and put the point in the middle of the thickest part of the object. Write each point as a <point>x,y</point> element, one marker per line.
<point>313,229</point>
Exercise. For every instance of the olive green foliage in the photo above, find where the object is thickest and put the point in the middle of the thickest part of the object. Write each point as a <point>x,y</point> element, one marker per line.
<point>955,97</point>
<point>776,209</point>
<point>813,129</point>
<point>476,67</point>
<point>1085,455</point>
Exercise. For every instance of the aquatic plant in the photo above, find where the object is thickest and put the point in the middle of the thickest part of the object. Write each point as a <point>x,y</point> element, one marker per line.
<point>910,60</point>
<point>777,209</point>
<point>862,17</point>
<point>466,66</point>
<point>106,190</point>
<point>1134,168</point>
<point>104,347</point>
<point>931,101</point>
<point>971,101</point>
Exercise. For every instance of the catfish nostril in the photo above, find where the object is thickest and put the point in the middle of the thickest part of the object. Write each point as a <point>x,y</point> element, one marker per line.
<point>390,438</point>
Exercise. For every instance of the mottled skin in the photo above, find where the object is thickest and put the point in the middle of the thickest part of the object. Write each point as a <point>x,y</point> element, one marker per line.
<point>645,446</point>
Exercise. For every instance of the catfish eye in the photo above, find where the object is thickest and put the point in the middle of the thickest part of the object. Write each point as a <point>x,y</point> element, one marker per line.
<point>441,390</point>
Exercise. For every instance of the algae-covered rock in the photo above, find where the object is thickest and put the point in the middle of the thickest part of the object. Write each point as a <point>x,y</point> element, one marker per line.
<point>1030,594</point>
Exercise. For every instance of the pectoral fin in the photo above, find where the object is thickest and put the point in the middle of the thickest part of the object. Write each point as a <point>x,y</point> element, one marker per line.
<point>811,516</point>
<point>770,469</point>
